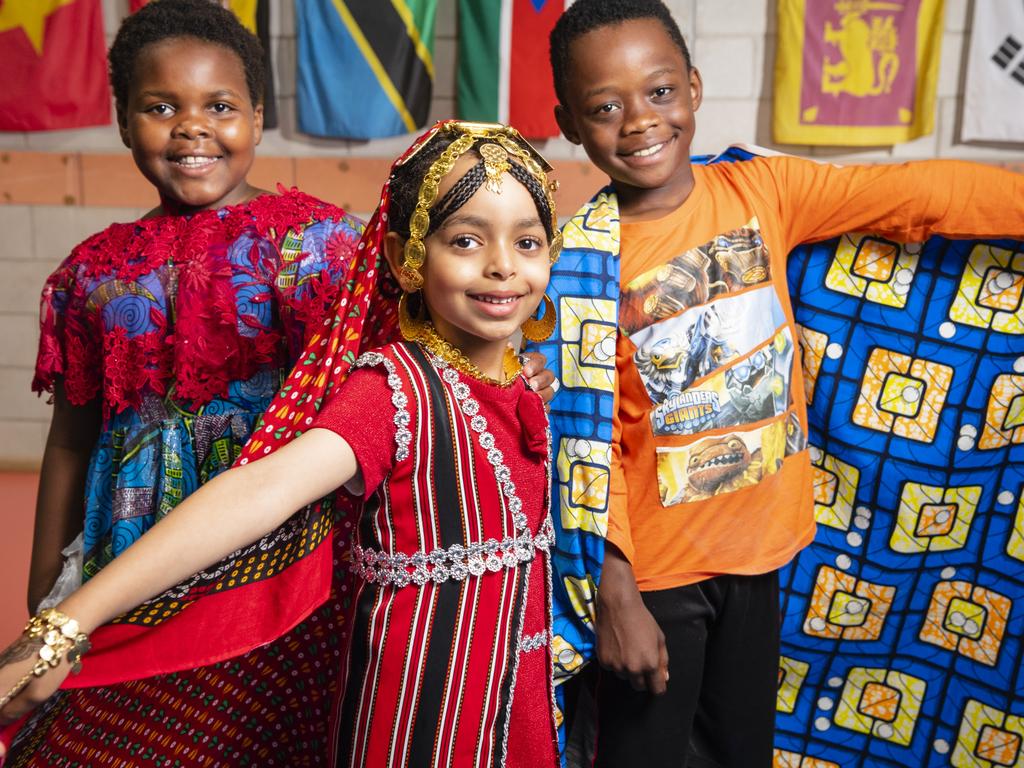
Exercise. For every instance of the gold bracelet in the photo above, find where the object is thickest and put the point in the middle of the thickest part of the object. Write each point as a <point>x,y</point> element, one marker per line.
<point>61,637</point>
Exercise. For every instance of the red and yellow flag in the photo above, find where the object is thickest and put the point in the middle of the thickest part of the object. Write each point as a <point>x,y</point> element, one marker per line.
<point>245,10</point>
<point>53,57</point>
<point>856,72</point>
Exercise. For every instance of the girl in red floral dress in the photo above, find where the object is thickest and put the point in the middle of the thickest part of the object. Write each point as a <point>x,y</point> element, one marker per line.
<point>163,341</point>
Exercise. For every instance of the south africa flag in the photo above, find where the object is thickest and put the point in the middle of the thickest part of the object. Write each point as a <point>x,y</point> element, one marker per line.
<point>504,74</point>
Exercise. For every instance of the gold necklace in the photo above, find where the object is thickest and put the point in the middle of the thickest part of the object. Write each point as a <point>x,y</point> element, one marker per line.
<point>429,338</point>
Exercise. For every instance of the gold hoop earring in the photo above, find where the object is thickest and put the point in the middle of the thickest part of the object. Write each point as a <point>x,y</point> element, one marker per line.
<point>410,327</point>
<point>539,329</point>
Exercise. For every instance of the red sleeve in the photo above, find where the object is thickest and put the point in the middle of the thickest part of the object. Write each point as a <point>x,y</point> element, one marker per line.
<point>70,334</point>
<point>361,412</point>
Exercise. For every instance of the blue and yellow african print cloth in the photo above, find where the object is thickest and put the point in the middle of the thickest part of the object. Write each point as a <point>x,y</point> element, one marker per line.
<point>903,622</point>
<point>901,640</point>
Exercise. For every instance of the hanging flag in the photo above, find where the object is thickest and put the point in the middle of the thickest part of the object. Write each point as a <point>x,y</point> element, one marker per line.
<point>54,64</point>
<point>856,72</point>
<point>245,10</point>
<point>255,16</point>
<point>365,68</point>
<point>504,72</point>
<point>994,91</point>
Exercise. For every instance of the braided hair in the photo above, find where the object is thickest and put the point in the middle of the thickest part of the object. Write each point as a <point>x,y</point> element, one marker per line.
<point>405,185</point>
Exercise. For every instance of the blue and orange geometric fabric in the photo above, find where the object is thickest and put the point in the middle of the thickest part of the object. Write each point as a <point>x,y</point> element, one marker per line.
<point>903,621</point>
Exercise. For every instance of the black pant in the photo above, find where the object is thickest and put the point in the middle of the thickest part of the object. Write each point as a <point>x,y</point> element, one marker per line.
<point>719,710</point>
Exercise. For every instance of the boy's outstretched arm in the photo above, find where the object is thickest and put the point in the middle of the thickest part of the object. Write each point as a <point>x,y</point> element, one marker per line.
<point>629,641</point>
<point>60,507</point>
<point>909,202</point>
<point>232,510</point>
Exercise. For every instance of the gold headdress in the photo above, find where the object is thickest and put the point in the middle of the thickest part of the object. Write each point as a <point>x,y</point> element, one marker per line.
<point>498,145</point>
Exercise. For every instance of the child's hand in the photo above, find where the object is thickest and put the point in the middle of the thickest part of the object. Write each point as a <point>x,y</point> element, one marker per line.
<point>541,380</point>
<point>16,661</point>
<point>629,641</point>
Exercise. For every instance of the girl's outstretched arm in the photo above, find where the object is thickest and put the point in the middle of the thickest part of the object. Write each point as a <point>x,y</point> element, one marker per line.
<point>232,510</point>
<point>60,510</point>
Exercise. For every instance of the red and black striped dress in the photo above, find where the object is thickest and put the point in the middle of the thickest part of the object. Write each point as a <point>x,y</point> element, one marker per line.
<point>450,661</point>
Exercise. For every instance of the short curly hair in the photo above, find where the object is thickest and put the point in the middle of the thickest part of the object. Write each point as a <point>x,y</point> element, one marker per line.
<point>167,19</point>
<point>585,16</point>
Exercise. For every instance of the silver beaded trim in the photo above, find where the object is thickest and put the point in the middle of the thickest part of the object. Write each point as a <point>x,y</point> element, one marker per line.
<point>399,399</point>
<point>535,642</point>
<point>457,562</point>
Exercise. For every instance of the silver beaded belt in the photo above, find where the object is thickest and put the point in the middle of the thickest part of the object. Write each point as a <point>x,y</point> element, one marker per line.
<point>455,563</point>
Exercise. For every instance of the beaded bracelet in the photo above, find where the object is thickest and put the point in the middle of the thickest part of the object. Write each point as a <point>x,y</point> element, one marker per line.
<point>61,637</point>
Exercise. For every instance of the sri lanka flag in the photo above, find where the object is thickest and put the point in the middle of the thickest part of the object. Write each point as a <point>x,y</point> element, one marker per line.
<point>856,72</point>
<point>54,64</point>
<point>504,74</point>
<point>365,67</point>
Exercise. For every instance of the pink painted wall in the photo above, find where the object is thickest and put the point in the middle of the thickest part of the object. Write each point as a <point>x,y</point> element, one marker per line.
<point>18,494</point>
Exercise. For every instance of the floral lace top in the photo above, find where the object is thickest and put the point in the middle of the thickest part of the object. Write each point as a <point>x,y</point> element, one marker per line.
<point>184,328</point>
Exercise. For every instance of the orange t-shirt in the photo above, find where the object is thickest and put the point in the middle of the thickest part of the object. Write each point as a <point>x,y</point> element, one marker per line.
<point>710,474</point>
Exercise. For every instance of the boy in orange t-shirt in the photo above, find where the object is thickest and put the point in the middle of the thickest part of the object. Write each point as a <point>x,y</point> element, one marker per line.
<point>710,489</point>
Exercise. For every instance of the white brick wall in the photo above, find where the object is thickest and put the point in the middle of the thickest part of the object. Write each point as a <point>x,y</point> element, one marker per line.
<point>733,45</point>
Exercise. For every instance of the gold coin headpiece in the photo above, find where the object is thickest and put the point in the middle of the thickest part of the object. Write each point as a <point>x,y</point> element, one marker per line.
<point>498,146</point>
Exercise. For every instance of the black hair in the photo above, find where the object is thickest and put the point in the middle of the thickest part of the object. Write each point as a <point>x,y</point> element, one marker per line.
<point>167,19</point>
<point>585,16</point>
<point>406,180</point>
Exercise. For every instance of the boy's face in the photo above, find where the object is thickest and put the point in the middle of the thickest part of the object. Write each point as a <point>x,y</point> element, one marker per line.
<point>631,99</point>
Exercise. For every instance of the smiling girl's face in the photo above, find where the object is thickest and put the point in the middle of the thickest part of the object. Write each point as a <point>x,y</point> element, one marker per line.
<point>191,124</point>
<point>487,266</point>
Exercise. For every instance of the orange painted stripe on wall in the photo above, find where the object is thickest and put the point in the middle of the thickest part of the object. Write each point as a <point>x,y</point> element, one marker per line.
<point>111,180</point>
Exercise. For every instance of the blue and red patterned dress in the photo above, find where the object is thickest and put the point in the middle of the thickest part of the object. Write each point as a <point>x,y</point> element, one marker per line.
<point>184,328</point>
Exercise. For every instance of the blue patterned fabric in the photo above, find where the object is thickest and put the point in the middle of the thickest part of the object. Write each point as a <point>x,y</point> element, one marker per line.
<point>585,287</point>
<point>901,642</point>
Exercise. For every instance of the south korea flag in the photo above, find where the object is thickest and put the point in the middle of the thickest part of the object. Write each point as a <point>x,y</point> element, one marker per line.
<point>994,89</point>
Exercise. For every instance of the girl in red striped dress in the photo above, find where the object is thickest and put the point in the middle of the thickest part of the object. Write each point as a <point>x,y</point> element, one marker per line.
<point>448,660</point>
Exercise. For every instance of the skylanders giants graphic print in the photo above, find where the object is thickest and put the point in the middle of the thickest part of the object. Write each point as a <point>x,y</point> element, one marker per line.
<point>673,354</point>
<point>724,464</point>
<point>729,263</point>
<point>753,389</point>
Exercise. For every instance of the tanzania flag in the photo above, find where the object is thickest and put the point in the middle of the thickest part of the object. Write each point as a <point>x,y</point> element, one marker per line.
<point>255,16</point>
<point>365,67</point>
<point>504,73</point>
<point>53,57</point>
<point>856,72</point>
